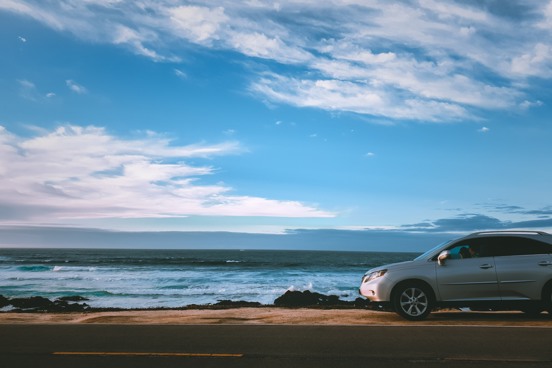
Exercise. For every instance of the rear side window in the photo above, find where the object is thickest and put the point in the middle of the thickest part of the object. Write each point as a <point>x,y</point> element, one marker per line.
<point>517,246</point>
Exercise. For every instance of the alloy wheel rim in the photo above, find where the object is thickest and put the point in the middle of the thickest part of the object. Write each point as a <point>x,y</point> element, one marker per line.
<point>414,301</point>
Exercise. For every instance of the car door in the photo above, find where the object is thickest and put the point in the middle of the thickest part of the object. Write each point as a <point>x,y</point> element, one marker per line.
<point>523,266</point>
<point>472,279</point>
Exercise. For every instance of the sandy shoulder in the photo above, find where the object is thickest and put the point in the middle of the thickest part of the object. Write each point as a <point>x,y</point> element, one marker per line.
<point>279,316</point>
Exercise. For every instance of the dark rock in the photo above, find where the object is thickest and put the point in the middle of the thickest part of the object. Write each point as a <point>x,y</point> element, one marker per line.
<point>4,302</point>
<point>236,304</point>
<point>306,299</point>
<point>73,298</point>
<point>63,306</point>
<point>293,299</point>
<point>41,304</point>
<point>32,303</point>
<point>362,303</point>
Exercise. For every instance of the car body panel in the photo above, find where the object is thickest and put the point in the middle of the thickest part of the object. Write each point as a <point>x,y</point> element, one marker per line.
<point>523,277</point>
<point>467,279</point>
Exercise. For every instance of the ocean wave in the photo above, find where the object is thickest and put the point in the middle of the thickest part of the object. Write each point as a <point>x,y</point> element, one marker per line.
<point>34,268</point>
<point>139,278</point>
<point>309,286</point>
<point>74,269</point>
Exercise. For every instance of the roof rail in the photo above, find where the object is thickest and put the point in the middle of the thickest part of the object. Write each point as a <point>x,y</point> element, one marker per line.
<point>510,232</point>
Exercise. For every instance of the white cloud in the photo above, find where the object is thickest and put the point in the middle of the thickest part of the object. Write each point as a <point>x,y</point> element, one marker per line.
<point>449,11</point>
<point>75,87</point>
<point>483,130</point>
<point>28,90</point>
<point>78,172</point>
<point>451,60</point>
<point>180,74</point>
<point>546,22</point>
<point>361,98</point>
<point>530,104</point>
<point>26,84</point>
<point>197,23</point>
<point>22,39</point>
<point>137,40</point>
<point>262,46</point>
<point>52,19</point>
<point>327,94</point>
<point>534,62</point>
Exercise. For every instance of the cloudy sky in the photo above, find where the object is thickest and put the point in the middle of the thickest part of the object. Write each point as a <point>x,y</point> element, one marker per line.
<point>359,117</point>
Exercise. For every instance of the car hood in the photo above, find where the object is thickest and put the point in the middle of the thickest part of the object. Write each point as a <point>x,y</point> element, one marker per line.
<point>392,266</point>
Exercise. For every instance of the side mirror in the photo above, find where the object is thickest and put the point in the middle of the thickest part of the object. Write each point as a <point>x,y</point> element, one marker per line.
<point>441,258</point>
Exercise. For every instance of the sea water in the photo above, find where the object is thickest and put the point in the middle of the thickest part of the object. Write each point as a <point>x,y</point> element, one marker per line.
<point>175,278</point>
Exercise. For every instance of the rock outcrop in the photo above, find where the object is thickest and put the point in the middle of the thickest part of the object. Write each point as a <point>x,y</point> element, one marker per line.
<point>41,304</point>
<point>310,299</point>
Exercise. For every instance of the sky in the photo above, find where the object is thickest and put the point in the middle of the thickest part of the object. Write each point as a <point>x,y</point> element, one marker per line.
<point>343,124</point>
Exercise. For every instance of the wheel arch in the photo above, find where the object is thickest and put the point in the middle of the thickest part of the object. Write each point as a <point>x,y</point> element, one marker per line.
<point>546,289</point>
<point>419,282</point>
<point>546,297</point>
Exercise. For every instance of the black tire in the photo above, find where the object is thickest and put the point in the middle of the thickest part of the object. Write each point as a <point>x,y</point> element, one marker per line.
<point>413,301</point>
<point>547,299</point>
<point>532,310</point>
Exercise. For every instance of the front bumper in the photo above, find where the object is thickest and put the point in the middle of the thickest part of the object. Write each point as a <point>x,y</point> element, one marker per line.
<point>377,290</point>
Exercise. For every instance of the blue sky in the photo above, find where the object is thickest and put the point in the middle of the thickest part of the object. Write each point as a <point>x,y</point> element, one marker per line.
<point>359,118</point>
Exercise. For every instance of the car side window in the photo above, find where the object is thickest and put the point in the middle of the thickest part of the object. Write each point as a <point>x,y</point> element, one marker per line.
<point>455,252</point>
<point>517,246</point>
<point>471,248</point>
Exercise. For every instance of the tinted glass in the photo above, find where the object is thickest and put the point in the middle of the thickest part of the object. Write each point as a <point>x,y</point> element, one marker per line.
<point>515,245</point>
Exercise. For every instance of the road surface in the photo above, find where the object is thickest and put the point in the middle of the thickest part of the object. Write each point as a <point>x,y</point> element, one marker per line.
<point>44,346</point>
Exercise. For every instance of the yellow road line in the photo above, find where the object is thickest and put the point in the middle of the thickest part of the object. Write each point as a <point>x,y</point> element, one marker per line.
<point>130,353</point>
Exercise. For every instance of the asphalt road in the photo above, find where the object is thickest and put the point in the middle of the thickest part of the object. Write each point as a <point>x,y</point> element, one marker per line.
<point>136,346</point>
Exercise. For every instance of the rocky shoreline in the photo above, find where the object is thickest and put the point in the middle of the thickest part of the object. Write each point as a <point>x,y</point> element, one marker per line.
<point>41,304</point>
<point>291,299</point>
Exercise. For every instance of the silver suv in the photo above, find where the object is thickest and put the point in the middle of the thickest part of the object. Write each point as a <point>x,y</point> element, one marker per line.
<point>485,270</point>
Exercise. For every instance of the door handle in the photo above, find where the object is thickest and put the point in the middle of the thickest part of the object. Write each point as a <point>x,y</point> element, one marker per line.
<point>545,263</point>
<point>486,266</point>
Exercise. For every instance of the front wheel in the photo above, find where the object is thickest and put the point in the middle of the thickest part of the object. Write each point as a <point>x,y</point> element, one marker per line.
<point>413,301</point>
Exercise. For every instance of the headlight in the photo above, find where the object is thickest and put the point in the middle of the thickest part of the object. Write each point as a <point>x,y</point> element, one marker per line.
<point>373,275</point>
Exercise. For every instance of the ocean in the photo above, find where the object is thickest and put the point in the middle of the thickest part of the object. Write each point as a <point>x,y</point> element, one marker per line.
<point>123,278</point>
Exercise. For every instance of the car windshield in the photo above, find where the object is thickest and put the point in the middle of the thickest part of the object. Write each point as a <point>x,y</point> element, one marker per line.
<point>424,255</point>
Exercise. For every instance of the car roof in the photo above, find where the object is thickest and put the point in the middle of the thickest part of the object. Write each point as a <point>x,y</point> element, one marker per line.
<point>509,232</point>
<point>536,235</point>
